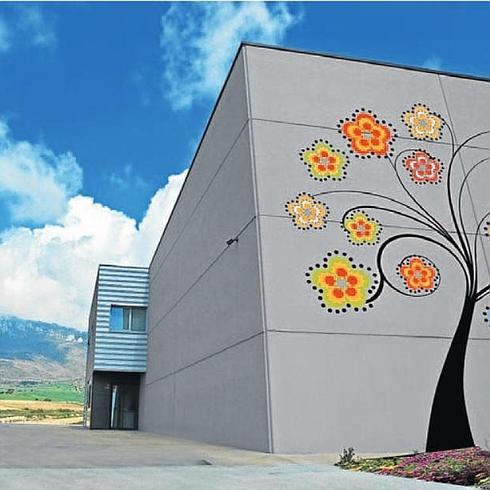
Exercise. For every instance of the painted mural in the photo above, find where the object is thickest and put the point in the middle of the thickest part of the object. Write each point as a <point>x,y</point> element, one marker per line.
<point>343,285</point>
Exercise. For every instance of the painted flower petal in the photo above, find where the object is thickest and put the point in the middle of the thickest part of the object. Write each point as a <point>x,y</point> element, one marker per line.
<point>367,135</point>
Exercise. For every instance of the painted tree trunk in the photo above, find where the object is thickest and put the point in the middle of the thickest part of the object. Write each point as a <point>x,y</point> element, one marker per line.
<point>449,427</point>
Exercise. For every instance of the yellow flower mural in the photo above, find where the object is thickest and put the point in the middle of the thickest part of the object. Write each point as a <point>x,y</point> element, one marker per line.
<point>361,229</point>
<point>340,284</point>
<point>324,162</point>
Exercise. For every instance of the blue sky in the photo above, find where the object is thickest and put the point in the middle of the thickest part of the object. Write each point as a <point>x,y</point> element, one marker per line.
<point>97,91</point>
<point>102,102</point>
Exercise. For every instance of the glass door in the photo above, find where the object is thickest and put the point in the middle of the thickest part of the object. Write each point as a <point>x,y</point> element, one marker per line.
<point>124,406</point>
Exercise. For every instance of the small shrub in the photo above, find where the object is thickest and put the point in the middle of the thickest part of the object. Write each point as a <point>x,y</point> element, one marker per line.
<point>347,458</point>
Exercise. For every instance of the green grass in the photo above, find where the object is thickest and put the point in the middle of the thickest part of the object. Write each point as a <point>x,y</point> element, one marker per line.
<point>40,414</point>
<point>55,392</point>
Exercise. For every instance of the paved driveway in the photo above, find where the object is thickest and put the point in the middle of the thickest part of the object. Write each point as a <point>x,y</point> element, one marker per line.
<point>52,458</point>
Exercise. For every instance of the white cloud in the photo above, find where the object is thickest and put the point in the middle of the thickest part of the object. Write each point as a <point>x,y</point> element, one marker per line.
<point>4,36</point>
<point>199,42</point>
<point>156,217</point>
<point>35,183</point>
<point>127,179</point>
<point>48,273</point>
<point>36,26</point>
<point>433,63</point>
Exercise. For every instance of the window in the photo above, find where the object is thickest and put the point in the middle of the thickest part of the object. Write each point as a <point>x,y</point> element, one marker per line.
<point>128,319</point>
<point>138,319</point>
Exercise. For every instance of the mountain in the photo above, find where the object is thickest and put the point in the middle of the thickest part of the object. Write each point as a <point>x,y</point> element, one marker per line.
<point>37,351</point>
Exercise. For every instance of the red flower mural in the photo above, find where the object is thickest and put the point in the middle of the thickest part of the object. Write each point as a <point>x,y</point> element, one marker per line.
<point>423,168</point>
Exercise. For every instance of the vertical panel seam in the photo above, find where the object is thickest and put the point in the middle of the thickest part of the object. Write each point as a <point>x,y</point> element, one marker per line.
<point>259,257</point>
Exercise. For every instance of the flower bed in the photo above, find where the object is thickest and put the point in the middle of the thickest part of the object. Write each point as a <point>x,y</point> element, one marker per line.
<point>469,466</point>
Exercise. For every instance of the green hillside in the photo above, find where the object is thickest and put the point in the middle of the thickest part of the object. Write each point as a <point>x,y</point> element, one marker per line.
<point>41,361</point>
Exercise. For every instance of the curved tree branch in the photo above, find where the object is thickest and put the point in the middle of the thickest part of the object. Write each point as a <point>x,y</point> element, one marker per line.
<point>381,196</point>
<point>463,182</point>
<point>483,292</point>
<point>463,240</point>
<point>467,270</point>
<point>388,210</point>
<point>412,197</point>
<point>368,193</point>
<point>460,208</point>
<point>449,191</point>
<point>383,277</point>
<point>467,140</point>
<point>442,230</point>
<point>475,249</point>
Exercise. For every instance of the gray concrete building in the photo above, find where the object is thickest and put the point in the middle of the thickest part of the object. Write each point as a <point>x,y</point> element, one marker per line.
<point>323,279</point>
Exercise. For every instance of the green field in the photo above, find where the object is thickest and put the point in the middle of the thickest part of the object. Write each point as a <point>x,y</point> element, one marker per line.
<point>56,392</point>
<point>40,414</point>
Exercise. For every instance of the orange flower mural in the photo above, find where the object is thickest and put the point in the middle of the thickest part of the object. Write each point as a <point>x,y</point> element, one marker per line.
<point>367,136</point>
<point>324,162</point>
<point>361,229</point>
<point>307,212</point>
<point>419,274</point>
<point>422,123</point>
<point>341,284</point>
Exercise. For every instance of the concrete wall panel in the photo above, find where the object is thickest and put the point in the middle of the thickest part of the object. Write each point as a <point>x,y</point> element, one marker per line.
<point>224,210</point>
<point>319,91</point>
<point>477,378</point>
<point>468,102</point>
<point>365,379</point>
<point>291,304</point>
<point>330,392</point>
<point>281,175</point>
<point>219,400</point>
<point>223,308</point>
<point>206,376</point>
<point>227,122</point>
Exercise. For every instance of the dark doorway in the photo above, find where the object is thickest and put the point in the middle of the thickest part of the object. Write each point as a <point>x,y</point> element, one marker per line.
<point>124,406</point>
<point>115,399</point>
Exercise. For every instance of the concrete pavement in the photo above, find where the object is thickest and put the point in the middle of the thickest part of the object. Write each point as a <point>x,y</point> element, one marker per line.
<point>67,457</point>
<point>283,477</point>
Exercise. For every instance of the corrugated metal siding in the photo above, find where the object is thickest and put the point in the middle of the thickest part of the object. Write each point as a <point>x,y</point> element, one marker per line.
<point>120,351</point>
